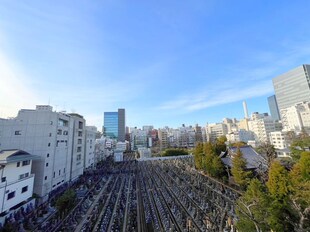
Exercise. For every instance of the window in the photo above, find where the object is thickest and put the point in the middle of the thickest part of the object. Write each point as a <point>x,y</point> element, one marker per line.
<point>65,133</point>
<point>18,132</point>
<point>78,157</point>
<point>79,149</point>
<point>80,125</point>
<point>54,175</point>
<point>64,170</point>
<point>45,178</point>
<point>22,176</point>
<point>59,172</point>
<point>59,132</point>
<point>3,179</point>
<point>79,141</point>
<point>49,144</point>
<point>50,134</point>
<point>25,189</point>
<point>18,164</point>
<point>51,123</point>
<point>11,195</point>
<point>48,155</point>
<point>80,133</point>
<point>26,162</point>
<point>46,165</point>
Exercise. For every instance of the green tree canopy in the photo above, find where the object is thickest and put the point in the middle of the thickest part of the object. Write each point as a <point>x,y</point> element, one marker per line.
<point>238,170</point>
<point>174,152</point>
<point>199,156</point>
<point>299,145</point>
<point>66,201</point>
<point>252,208</point>
<point>278,181</point>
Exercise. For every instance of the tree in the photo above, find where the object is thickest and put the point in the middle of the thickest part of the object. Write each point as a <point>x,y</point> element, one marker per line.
<point>220,145</point>
<point>252,208</point>
<point>238,170</point>
<point>281,213</point>
<point>66,201</point>
<point>300,145</point>
<point>268,152</point>
<point>300,197</point>
<point>217,169</point>
<point>278,181</point>
<point>198,155</point>
<point>174,152</point>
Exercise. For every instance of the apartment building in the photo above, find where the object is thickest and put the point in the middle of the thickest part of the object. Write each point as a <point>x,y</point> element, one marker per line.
<point>261,125</point>
<point>56,137</point>
<point>296,117</point>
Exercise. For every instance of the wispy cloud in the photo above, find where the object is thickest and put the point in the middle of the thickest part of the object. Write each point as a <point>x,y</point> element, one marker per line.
<point>243,82</point>
<point>218,96</point>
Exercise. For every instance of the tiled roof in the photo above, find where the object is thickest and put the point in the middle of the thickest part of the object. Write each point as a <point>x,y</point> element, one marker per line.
<point>254,160</point>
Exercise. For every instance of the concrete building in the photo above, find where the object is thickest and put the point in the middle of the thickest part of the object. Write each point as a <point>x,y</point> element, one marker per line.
<point>273,107</point>
<point>216,130</point>
<point>296,117</point>
<point>16,187</point>
<point>262,125</point>
<point>292,87</point>
<point>78,146</point>
<point>240,136</point>
<point>90,139</point>
<point>243,124</point>
<point>163,139</point>
<point>56,137</point>
<point>198,134</point>
<point>278,140</point>
<point>121,125</point>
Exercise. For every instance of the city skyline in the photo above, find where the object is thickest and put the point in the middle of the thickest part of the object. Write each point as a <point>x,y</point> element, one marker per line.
<point>167,64</point>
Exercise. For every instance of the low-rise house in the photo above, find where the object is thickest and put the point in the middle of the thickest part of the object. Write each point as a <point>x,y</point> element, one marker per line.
<point>16,183</point>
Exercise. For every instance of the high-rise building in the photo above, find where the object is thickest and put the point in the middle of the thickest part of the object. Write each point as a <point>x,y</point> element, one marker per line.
<point>245,109</point>
<point>273,107</point>
<point>121,125</point>
<point>292,87</point>
<point>110,125</point>
<point>114,125</point>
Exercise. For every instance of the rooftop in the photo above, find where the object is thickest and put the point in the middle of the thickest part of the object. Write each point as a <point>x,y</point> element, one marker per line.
<point>15,155</point>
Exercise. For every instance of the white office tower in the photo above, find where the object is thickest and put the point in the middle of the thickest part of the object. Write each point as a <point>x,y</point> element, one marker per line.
<point>245,109</point>
<point>90,140</point>
<point>297,117</point>
<point>262,125</point>
<point>54,136</point>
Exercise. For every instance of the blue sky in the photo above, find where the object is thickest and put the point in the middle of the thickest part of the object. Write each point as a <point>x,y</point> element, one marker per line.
<point>165,62</point>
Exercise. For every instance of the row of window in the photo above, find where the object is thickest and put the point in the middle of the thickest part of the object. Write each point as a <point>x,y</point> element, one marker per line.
<point>12,194</point>
<point>24,163</point>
